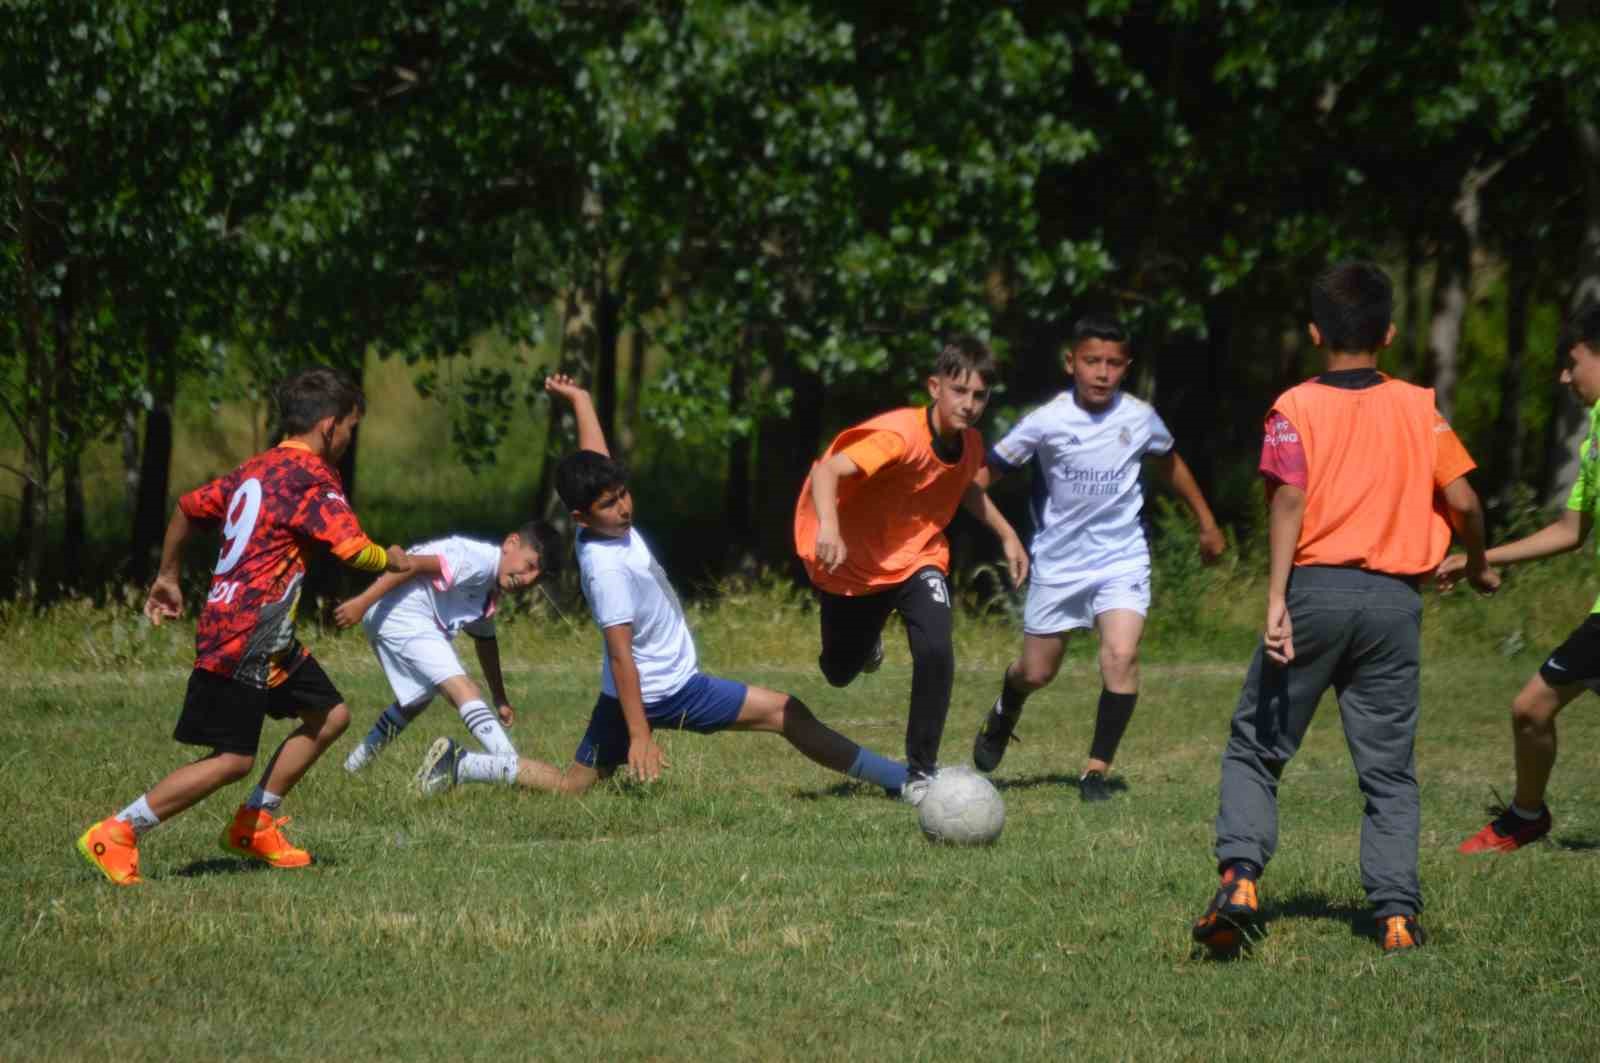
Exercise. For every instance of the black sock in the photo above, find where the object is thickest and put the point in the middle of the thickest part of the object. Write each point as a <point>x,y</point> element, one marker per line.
<point>1011,699</point>
<point>1110,720</point>
<point>1243,869</point>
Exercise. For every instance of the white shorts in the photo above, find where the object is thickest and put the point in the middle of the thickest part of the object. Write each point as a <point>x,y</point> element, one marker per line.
<point>416,664</point>
<point>1057,607</point>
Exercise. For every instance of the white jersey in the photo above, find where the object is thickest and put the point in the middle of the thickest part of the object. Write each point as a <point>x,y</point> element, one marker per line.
<point>624,585</point>
<point>1086,498</point>
<point>461,597</point>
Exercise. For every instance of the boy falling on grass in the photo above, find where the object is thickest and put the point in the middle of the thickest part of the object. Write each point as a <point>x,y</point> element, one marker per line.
<point>869,526</point>
<point>1574,666</point>
<point>1090,562</point>
<point>410,622</point>
<point>1361,472</point>
<point>248,663</point>
<point>650,675</point>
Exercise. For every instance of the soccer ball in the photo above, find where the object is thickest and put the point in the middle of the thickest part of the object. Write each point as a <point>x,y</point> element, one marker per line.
<point>961,807</point>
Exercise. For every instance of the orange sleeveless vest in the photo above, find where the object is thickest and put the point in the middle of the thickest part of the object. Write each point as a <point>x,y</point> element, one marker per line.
<point>893,521</point>
<point>1371,500</point>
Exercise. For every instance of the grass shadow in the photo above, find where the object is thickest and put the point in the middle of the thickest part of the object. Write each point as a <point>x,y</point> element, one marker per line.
<point>846,788</point>
<point>219,866</point>
<point>1317,906</point>
<point>1116,784</point>
<point>1577,844</point>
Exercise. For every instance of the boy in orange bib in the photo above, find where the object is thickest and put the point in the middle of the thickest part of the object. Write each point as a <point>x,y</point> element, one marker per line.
<point>869,527</point>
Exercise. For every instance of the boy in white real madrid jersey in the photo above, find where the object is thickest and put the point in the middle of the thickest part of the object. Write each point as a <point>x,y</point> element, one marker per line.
<point>650,674</point>
<point>1091,564</point>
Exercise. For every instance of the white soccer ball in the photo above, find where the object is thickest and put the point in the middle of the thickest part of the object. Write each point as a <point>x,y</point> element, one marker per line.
<point>961,807</point>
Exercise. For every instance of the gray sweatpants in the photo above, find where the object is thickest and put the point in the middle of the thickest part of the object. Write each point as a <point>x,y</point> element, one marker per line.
<point>1360,633</point>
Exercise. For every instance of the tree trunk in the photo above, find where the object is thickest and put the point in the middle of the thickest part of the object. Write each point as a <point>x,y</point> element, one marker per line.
<point>630,408</point>
<point>607,316</point>
<point>736,487</point>
<point>1416,317</point>
<point>34,417</point>
<point>786,447</point>
<point>155,461</point>
<point>1508,449</point>
<point>1449,310</point>
<point>74,525</point>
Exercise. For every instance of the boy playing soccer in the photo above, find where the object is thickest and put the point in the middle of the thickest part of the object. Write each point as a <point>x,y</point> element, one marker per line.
<point>248,663</point>
<point>410,623</point>
<point>1361,471</point>
<point>1090,561</point>
<point>869,526</point>
<point>1574,666</point>
<point>650,674</point>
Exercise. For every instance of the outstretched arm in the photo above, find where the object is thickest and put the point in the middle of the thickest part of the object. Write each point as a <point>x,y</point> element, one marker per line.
<point>353,609</point>
<point>976,501</point>
<point>590,435</point>
<point>165,600</point>
<point>489,660</point>
<point>1175,471</point>
<point>1466,516</point>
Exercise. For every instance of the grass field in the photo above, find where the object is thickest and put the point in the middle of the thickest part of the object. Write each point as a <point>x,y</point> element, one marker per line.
<point>751,905</point>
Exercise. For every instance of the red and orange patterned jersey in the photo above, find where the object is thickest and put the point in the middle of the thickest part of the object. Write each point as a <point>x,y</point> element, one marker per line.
<point>271,509</point>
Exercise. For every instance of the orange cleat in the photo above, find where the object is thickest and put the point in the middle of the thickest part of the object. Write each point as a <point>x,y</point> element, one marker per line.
<point>256,835</point>
<point>1228,919</point>
<point>111,847</point>
<point>1400,933</point>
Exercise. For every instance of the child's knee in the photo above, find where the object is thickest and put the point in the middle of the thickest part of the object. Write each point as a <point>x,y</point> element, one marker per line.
<point>1029,676</point>
<point>837,674</point>
<point>336,721</point>
<point>234,766</point>
<point>938,657</point>
<point>1531,711</point>
<point>1118,660</point>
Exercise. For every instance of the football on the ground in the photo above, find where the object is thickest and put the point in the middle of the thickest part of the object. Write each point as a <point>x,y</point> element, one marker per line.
<point>961,807</point>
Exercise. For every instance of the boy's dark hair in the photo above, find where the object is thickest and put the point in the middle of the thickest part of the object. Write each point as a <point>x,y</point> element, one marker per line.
<point>312,394</point>
<point>1099,327</point>
<point>584,475</point>
<point>542,538</point>
<point>1581,326</point>
<point>963,355</point>
<point>1352,305</point>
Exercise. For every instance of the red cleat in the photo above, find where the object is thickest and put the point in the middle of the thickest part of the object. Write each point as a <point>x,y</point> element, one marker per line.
<point>1508,832</point>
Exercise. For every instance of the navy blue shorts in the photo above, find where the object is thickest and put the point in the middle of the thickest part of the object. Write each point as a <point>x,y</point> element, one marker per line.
<point>705,704</point>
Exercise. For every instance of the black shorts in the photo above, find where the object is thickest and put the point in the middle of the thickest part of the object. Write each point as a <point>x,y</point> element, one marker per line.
<point>1576,660</point>
<point>227,715</point>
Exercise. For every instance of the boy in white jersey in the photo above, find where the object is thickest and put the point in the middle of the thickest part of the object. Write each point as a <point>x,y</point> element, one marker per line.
<point>650,674</point>
<point>1090,561</point>
<point>410,624</point>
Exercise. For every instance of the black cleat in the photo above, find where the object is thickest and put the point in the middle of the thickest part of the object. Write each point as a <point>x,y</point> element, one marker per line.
<point>1092,786</point>
<point>989,748</point>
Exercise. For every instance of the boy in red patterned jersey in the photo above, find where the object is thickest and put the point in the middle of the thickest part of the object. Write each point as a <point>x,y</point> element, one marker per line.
<point>248,663</point>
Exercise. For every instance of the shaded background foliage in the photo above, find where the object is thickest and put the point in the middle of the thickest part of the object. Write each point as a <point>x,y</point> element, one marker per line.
<point>747,224</point>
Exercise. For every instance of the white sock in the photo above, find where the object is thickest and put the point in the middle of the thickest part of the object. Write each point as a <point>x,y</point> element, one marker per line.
<point>393,720</point>
<point>265,800</point>
<point>484,724</point>
<point>488,767</point>
<point>139,816</point>
<point>1524,813</point>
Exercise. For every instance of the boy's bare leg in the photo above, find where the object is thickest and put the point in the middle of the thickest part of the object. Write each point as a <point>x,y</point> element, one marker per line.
<point>1038,663</point>
<point>547,778</point>
<point>317,731</point>
<point>1533,734</point>
<point>1120,631</point>
<point>193,783</point>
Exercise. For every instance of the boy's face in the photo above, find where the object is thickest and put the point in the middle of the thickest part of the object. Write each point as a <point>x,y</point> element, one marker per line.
<point>1097,367</point>
<point>958,401</point>
<point>610,515</point>
<point>1582,373</point>
<point>519,564</point>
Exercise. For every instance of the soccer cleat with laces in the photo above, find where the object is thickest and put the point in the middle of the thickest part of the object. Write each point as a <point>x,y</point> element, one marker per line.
<point>1508,832</point>
<point>440,768</point>
<point>255,835</point>
<point>989,748</point>
<point>1230,915</point>
<point>111,847</point>
<point>1400,933</point>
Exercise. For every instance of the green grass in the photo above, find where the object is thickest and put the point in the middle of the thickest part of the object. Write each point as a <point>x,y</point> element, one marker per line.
<point>753,906</point>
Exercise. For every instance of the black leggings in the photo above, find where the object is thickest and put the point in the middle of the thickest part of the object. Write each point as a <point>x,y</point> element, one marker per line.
<point>851,627</point>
